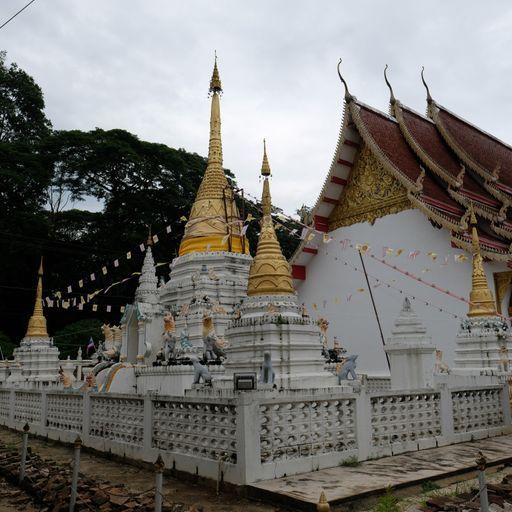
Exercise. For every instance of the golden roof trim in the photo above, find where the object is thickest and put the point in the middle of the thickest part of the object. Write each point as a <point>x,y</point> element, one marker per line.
<point>488,178</point>
<point>407,182</point>
<point>436,215</point>
<point>420,153</point>
<point>486,251</point>
<point>483,210</point>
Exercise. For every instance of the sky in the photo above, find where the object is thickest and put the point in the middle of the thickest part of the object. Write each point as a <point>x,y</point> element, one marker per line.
<point>145,65</point>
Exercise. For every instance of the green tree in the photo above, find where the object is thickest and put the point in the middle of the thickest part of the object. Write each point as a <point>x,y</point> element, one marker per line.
<point>6,346</point>
<point>77,335</point>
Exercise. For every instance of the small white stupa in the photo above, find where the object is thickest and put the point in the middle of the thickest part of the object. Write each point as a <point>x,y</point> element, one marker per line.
<point>410,352</point>
<point>37,356</point>
<point>484,337</point>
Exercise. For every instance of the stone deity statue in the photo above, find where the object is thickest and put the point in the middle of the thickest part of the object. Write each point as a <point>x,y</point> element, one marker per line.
<point>348,368</point>
<point>267,374</point>
<point>441,366</point>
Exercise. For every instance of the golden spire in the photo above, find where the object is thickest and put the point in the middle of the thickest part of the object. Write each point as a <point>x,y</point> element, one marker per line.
<point>270,273</point>
<point>37,323</point>
<point>481,297</point>
<point>150,238</point>
<point>214,223</point>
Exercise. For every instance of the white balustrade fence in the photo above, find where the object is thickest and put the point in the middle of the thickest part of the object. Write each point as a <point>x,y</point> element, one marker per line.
<point>256,435</point>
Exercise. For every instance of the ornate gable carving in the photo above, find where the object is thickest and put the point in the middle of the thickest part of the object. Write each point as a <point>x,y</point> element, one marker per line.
<point>370,193</point>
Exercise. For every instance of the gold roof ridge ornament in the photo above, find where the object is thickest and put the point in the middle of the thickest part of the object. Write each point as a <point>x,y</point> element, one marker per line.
<point>348,96</point>
<point>214,222</point>
<point>37,322</point>
<point>480,297</point>
<point>392,99</point>
<point>270,272</point>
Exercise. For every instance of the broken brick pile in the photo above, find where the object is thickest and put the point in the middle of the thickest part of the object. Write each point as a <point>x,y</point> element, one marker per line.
<point>500,498</point>
<point>49,484</point>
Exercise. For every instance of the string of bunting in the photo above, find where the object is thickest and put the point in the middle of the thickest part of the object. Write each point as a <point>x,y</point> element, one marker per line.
<point>310,233</point>
<point>380,282</point>
<point>82,301</point>
<point>80,284</point>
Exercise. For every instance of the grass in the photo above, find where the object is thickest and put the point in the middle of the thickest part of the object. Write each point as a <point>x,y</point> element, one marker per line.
<point>351,462</point>
<point>388,502</point>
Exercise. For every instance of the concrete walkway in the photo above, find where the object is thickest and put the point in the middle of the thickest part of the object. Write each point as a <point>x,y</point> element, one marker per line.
<point>348,484</point>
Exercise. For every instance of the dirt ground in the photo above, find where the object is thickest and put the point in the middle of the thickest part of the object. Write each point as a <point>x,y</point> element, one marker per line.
<point>136,479</point>
<point>199,497</point>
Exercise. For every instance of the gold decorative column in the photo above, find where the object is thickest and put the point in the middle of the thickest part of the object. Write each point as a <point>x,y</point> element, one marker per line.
<point>214,222</point>
<point>481,297</point>
<point>270,273</point>
<point>37,323</point>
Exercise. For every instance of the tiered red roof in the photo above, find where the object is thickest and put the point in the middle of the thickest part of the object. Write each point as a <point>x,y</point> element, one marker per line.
<point>445,163</point>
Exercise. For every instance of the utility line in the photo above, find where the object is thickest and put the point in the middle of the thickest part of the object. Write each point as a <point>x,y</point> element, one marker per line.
<point>14,16</point>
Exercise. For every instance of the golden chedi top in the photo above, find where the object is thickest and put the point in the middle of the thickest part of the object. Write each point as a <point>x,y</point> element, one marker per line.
<point>270,273</point>
<point>214,222</point>
<point>481,297</point>
<point>37,323</point>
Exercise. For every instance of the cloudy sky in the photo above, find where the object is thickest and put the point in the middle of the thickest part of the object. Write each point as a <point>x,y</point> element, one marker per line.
<point>145,65</point>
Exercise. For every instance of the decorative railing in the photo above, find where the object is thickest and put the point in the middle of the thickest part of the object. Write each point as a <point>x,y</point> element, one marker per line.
<point>65,412</point>
<point>27,407</point>
<point>205,430</point>
<point>117,418</point>
<point>477,409</point>
<point>405,418</point>
<point>5,400</point>
<point>291,430</point>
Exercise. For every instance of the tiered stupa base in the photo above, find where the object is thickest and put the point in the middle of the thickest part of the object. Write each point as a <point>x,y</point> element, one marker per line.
<point>220,276</point>
<point>275,325</point>
<point>479,343</point>
<point>39,359</point>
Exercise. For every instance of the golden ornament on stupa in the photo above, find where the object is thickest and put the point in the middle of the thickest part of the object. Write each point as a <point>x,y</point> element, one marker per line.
<point>270,273</point>
<point>37,323</point>
<point>481,297</point>
<point>214,222</point>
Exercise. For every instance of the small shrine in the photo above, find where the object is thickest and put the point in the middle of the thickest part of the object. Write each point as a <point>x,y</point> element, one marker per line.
<point>36,359</point>
<point>484,336</point>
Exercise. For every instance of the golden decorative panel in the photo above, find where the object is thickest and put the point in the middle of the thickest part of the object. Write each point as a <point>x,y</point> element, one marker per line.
<point>369,194</point>
<point>502,281</point>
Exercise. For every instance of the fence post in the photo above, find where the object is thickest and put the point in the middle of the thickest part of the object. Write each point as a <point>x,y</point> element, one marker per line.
<point>24,446</point>
<point>76,468</point>
<point>12,400</point>
<point>481,462</point>
<point>159,477</point>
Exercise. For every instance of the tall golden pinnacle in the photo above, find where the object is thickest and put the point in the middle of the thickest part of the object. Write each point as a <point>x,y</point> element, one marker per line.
<point>37,323</point>
<point>214,222</point>
<point>270,273</point>
<point>481,297</point>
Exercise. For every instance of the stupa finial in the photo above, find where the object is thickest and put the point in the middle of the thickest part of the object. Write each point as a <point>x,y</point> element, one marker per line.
<point>270,272</point>
<point>265,167</point>
<point>149,241</point>
<point>215,83</point>
<point>214,215</point>
<point>480,297</point>
<point>37,322</point>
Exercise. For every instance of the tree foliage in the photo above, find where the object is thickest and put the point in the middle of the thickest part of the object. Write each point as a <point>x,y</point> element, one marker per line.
<point>77,335</point>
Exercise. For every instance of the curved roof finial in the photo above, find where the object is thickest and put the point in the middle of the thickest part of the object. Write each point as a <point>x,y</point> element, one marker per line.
<point>348,96</point>
<point>429,97</point>
<point>392,98</point>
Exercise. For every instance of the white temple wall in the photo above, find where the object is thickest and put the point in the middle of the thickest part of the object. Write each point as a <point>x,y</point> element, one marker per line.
<point>263,435</point>
<point>333,286</point>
